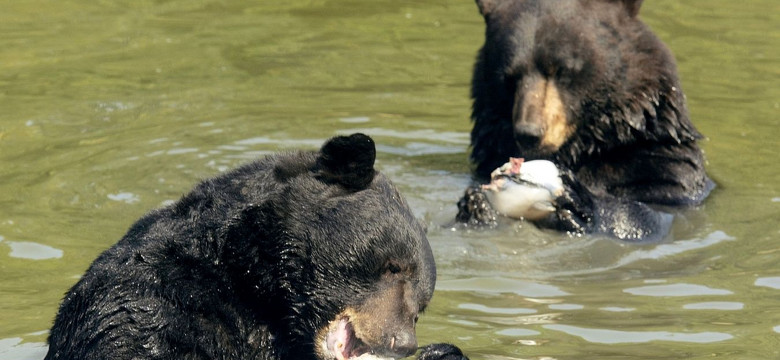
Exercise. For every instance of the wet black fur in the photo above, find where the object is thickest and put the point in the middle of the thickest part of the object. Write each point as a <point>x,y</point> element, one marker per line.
<point>579,211</point>
<point>633,143</point>
<point>441,352</point>
<point>249,265</point>
<point>619,86</point>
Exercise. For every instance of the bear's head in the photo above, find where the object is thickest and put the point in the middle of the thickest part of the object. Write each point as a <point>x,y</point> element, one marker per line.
<point>565,80</point>
<point>334,260</point>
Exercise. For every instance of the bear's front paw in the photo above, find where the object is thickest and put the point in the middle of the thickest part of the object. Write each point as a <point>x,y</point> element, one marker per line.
<point>474,208</point>
<point>574,209</point>
<point>441,352</point>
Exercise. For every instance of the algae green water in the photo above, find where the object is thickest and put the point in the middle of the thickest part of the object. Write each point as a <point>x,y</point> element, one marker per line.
<point>111,108</point>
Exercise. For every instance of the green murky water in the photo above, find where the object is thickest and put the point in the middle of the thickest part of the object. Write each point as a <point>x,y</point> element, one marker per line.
<point>111,108</point>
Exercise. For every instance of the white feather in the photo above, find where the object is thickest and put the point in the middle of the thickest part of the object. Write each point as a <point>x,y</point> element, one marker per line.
<point>533,197</point>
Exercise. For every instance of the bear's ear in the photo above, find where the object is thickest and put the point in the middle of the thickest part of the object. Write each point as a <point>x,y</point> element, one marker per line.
<point>632,6</point>
<point>348,161</point>
<point>486,6</point>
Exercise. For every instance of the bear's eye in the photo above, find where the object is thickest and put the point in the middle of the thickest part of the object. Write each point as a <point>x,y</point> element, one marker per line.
<point>392,267</point>
<point>513,74</point>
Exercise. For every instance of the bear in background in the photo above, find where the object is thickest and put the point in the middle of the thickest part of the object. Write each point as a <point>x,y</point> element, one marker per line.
<point>587,85</point>
<point>300,255</point>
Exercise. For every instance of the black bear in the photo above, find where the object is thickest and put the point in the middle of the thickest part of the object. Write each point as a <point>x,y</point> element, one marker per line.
<point>300,255</point>
<point>587,85</point>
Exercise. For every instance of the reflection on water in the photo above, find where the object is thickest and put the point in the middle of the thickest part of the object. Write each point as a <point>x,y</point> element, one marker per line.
<point>549,255</point>
<point>492,310</point>
<point>501,285</point>
<point>261,140</point>
<point>126,197</point>
<point>772,282</point>
<point>355,119</point>
<point>715,305</point>
<point>30,250</point>
<point>14,349</point>
<point>616,309</point>
<point>603,336</point>
<point>515,332</point>
<point>676,290</point>
<point>566,306</point>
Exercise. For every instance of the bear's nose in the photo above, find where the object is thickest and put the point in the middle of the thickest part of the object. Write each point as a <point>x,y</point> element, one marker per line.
<point>403,344</point>
<point>528,134</point>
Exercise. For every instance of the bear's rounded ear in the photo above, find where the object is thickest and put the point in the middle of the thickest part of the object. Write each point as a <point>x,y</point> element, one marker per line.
<point>348,161</point>
<point>632,6</point>
<point>486,6</point>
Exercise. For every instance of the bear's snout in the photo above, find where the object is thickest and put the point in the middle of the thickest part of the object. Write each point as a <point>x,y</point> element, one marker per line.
<point>403,344</point>
<point>528,135</point>
<point>539,117</point>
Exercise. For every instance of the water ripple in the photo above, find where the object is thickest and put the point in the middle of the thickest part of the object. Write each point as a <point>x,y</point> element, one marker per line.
<point>566,306</point>
<point>772,282</point>
<point>617,309</point>
<point>454,137</point>
<point>126,197</point>
<point>296,143</point>
<point>517,332</point>
<point>501,285</point>
<point>494,310</point>
<point>416,149</point>
<point>13,348</point>
<point>676,290</point>
<point>677,247</point>
<point>715,305</point>
<point>31,250</point>
<point>605,336</point>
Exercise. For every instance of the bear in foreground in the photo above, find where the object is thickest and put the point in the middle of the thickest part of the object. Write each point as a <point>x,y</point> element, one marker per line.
<point>301,255</point>
<point>588,86</point>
